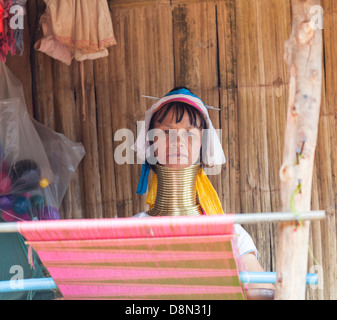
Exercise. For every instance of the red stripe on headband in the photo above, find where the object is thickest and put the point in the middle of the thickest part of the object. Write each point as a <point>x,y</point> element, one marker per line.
<point>185,100</point>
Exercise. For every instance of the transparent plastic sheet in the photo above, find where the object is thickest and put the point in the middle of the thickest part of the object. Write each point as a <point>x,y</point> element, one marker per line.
<point>36,163</point>
<point>36,166</point>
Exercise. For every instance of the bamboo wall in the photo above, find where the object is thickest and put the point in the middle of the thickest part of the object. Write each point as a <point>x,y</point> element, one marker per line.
<point>228,52</point>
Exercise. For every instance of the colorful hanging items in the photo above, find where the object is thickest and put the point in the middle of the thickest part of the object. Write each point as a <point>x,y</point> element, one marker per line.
<point>11,39</point>
<point>7,40</point>
<point>1,21</point>
<point>30,155</point>
<point>76,29</point>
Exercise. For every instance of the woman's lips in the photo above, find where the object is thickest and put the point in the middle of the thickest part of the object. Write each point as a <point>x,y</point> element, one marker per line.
<point>178,155</point>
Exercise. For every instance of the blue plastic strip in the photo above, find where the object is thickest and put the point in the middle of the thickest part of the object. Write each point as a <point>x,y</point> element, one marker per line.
<point>27,285</point>
<point>143,180</point>
<point>49,284</point>
<point>270,277</point>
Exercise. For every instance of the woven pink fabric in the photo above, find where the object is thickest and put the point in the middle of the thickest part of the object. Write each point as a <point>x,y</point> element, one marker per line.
<point>152,258</point>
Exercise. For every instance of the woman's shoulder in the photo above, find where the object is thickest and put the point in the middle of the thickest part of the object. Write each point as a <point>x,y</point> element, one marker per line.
<point>245,242</point>
<point>141,215</point>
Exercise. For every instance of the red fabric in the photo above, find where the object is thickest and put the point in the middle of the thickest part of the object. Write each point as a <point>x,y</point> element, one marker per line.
<point>1,21</point>
<point>7,40</point>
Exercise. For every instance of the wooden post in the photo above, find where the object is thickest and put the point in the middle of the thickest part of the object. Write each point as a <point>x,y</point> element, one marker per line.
<point>304,56</point>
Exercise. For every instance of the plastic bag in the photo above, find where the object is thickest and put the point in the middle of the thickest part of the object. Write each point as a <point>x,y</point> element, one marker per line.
<point>36,163</point>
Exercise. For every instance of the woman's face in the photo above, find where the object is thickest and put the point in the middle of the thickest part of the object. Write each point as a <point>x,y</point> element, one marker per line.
<point>177,145</point>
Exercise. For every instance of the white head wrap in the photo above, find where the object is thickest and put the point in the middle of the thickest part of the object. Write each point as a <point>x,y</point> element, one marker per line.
<point>213,155</point>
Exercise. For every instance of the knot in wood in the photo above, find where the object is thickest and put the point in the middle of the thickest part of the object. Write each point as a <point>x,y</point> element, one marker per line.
<point>294,111</point>
<point>314,75</point>
<point>286,173</point>
<point>305,33</point>
<point>279,278</point>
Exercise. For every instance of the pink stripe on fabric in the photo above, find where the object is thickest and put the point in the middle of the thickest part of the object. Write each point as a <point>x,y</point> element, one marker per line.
<point>154,227</point>
<point>69,290</point>
<point>63,274</point>
<point>195,243</point>
<point>186,100</point>
<point>91,257</point>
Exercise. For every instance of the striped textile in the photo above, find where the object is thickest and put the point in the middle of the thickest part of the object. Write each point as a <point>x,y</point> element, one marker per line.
<point>167,258</point>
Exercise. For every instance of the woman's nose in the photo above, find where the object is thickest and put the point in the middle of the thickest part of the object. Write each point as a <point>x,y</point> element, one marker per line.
<point>175,140</point>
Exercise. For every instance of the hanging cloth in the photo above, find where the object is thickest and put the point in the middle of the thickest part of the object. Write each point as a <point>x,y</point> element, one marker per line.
<point>83,28</point>
<point>76,29</point>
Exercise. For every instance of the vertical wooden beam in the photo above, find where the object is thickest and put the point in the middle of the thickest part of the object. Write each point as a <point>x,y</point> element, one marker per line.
<point>105,138</point>
<point>304,57</point>
<point>228,93</point>
<point>195,53</point>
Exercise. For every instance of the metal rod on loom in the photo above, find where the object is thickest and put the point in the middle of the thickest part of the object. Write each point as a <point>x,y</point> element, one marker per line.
<point>246,218</point>
<point>49,284</point>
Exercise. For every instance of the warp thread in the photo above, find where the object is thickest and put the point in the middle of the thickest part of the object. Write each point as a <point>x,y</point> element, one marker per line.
<point>30,257</point>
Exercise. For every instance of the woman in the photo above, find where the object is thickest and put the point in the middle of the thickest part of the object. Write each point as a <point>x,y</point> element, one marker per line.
<point>180,143</point>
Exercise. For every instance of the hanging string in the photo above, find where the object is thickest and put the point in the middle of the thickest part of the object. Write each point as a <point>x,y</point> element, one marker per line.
<point>30,257</point>
<point>297,191</point>
<point>18,33</point>
<point>12,216</point>
<point>19,45</point>
<point>83,91</point>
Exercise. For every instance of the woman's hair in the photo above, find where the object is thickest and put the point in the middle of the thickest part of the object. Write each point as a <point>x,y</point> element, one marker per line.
<point>179,109</point>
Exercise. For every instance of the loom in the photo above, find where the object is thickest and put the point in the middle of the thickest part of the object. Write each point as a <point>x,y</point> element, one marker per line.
<point>154,258</point>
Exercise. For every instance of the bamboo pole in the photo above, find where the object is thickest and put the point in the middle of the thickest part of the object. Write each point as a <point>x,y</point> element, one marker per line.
<point>49,284</point>
<point>91,173</point>
<point>229,115</point>
<point>105,138</point>
<point>304,57</point>
<point>246,218</point>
